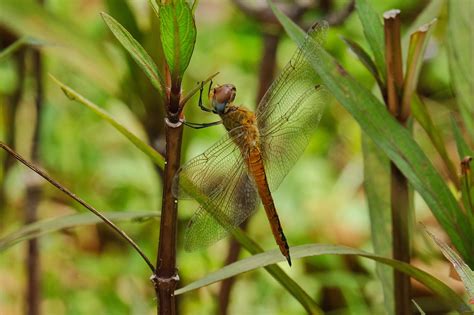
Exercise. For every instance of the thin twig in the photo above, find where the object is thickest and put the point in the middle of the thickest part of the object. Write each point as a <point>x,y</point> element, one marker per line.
<point>79,200</point>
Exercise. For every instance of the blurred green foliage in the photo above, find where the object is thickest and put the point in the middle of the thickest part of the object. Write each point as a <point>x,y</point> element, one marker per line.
<point>88,270</point>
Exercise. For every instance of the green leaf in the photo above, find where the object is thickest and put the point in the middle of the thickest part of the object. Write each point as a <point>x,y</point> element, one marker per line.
<point>47,226</point>
<point>124,15</point>
<point>463,270</point>
<point>422,116</point>
<point>366,61</point>
<point>463,148</point>
<point>391,137</point>
<point>141,145</point>
<point>178,35</point>
<point>460,37</point>
<point>418,308</point>
<point>416,51</point>
<point>430,12</point>
<point>66,40</point>
<point>374,34</point>
<point>377,190</point>
<point>310,250</point>
<point>137,52</point>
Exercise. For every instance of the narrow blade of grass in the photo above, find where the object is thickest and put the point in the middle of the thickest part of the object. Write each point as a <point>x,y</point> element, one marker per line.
<point>123,13</point>
<point>462,147</point>
<point>47,226</point>
<point>310,250</point>
<point>252,247</point>
<point>366,61</point>
<point>463,270</point>
<point>141,145</point>
<point>373,32</point>
<point>422,116</point>
<point>460,37</point>
<point>377,190</point>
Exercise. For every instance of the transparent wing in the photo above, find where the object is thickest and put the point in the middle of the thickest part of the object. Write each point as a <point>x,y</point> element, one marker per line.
<point>219,181</point>
<point>290,112</point>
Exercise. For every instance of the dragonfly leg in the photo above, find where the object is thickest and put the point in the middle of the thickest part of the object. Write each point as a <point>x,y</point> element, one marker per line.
<point>204,108</point>
<point>210,87</point>
<point>204,125</point>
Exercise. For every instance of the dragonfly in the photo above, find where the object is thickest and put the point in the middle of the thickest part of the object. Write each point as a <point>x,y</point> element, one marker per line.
<point>243,168</point>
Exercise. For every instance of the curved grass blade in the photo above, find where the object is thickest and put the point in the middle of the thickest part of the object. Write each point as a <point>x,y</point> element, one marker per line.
<point>47,226</point>
<point>138,53</point>
<point>377,190</point>
<point>145,148</point>
<point>392,138</point>
<point>463,270</point>
<point>252,247</point>
<point>309,250</point>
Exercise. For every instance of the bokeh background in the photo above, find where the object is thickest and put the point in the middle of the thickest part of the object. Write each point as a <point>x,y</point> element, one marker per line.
<point>88,270</point>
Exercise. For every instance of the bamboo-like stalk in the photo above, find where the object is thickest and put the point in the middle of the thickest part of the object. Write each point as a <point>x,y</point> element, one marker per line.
<point>166,276</point>
<point>400,201</point>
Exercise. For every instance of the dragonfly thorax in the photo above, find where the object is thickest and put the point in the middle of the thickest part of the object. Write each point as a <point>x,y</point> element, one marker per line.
<point>221,96</point>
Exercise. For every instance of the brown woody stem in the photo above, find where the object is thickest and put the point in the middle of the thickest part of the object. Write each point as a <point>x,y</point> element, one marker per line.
<point>400,201</point>
<point>166,276</point>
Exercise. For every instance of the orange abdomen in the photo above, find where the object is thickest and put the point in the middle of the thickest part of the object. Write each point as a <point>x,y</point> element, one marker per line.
<point>256,168</point>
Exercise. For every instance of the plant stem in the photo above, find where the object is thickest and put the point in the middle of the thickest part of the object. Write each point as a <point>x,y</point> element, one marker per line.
<point>166,276</point>
<point>393,57</point>
<point>400,202</point>
<point>33,196</point>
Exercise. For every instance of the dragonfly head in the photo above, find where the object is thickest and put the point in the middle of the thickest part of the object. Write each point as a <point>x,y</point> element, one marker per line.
<point>221,96</point>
